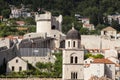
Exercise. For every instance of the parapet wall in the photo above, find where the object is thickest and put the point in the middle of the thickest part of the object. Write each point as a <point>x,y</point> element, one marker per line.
<point>46,16</point>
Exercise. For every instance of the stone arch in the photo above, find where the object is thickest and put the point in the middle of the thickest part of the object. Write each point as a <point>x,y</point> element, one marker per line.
<point>73,58</point>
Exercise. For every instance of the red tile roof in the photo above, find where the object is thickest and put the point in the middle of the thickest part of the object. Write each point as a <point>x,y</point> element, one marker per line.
<point>20,22</point>
<point>105,61</point>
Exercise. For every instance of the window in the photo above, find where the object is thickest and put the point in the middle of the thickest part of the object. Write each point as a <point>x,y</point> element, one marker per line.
<point>68,43</point>
<point>75,59</point>
<point>73,43</point>
<point>71,59</point>
<point>16,60</point>
<point>73,75</point>
<point>109,66</point>
<point>78,44</point>
<point>54,35</point>
<point>20,68</point>
<point>13,68</point>
<point>53,27</point>
<point>76,75</point>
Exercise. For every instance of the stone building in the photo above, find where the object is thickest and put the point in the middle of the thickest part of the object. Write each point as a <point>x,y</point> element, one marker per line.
<point>37,49</point>
<point>22,12</point>
<point>7,50</point>
<point>99,68</point>
<point>50,25</point>
<point>73,57</point>
<point>109,32</point>
<point>17,64</point>
<point>114,17</point>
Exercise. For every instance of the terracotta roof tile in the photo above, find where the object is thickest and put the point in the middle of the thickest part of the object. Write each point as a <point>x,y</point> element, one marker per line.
<point>106,61</point>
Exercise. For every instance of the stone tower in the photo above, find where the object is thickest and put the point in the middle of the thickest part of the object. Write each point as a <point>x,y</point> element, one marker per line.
<point>46,23</point>
<point>73,56</point>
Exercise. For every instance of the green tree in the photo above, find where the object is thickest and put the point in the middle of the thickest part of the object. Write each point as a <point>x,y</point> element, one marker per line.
<point>5,13</point>
<point>115,25</point>
<point>58,65</point>
<point>84,31</point>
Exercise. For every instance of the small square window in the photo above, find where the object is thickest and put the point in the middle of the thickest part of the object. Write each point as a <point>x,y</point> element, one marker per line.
<point>16,60</point>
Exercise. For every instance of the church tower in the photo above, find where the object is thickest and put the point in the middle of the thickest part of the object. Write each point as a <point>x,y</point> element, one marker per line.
<point>73,56</point>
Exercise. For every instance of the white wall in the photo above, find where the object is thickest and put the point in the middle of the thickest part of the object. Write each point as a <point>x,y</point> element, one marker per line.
<point>111,53</point>
<point>5,42</point>
<point>43,27</point>
<point>94,41</point>
<point>35,59</point>
<point>94,70</point>
<point>110,71</point>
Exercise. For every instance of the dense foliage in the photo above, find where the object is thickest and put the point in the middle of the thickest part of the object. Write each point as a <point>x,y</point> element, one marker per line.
<point>10,27</point>
<point>89,55</point>
<point>96,10</point>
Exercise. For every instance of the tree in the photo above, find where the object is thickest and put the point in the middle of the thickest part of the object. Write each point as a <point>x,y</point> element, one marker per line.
<point>58,65</point>
<point>88,55</point>
<point>5,13</point>
<point>115,25</point>
<point>30,21</point>
<point>84,31</point>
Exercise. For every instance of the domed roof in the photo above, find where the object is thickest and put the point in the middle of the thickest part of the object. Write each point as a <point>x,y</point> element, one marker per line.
<point>73,34</point>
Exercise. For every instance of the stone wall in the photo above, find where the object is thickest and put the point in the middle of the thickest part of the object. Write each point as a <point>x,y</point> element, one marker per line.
<point>95,41</point>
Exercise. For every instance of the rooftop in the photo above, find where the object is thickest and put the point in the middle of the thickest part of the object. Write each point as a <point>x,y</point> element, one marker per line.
<point>105,61</point>
<point>109,28</point>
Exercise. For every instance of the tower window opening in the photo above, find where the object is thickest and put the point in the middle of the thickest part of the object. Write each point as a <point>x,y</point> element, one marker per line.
<point>71,59</point>
<point>73,75</point>
<point>68,43</point>
<point>76,59</point>
<point>73,43</point>
<point>53,27</point>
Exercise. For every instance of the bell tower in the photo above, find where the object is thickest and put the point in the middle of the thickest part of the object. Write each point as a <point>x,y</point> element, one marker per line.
<point>73,56</point>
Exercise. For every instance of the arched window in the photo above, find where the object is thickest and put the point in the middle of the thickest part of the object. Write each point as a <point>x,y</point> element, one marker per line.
<point>71,59</point>
<point>68,43</point>
<point>76,59</point>
<point>76,75</point>
<point>73,43</point>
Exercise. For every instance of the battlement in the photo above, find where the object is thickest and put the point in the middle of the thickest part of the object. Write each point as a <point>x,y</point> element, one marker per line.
<point>43,17</point>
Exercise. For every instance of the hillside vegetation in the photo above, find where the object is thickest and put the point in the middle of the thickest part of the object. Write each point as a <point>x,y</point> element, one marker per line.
<point>96,10</point>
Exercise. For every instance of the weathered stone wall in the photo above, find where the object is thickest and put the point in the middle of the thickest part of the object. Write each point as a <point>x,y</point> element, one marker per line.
<point>95,42</point>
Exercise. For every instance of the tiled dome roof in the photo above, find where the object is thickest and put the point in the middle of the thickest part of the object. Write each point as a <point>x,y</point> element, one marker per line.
<point>73,34</point>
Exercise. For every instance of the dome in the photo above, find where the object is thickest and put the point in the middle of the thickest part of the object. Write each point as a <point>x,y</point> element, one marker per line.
<point>73,34</point>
